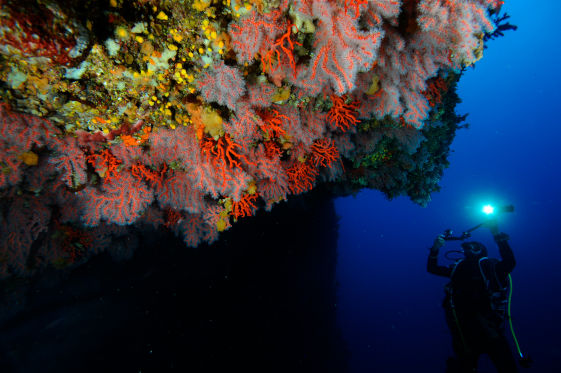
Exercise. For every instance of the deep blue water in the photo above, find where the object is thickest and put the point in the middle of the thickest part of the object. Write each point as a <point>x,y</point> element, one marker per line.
<point>388,305</point>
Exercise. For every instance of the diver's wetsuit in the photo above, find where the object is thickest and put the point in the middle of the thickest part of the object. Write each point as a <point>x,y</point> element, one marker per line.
<point>477,327</point>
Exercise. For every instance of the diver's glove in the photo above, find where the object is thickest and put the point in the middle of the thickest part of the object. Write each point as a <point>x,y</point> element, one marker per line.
<point>493,226</point>
<point>438,243</point>
<point>501,237</point>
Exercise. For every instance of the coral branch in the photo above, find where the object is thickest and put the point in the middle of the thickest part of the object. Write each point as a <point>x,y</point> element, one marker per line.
<point>343,115</point>
<point>121,202</point>
<point>324,153</point>
<point>222,84</point>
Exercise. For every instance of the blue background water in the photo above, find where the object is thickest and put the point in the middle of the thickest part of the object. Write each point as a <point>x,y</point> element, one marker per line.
<point>388,305</point>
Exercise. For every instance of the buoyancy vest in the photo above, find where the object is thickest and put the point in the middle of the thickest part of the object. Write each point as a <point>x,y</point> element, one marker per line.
<point>485,283</point>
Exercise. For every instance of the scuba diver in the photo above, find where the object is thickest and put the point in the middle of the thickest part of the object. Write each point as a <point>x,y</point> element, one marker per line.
<point>476,301</point>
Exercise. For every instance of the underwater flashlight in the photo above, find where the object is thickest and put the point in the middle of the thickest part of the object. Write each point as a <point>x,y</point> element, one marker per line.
<point>488,209</point>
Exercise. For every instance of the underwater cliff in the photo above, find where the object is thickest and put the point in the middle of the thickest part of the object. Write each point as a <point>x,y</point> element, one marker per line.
<point>119,117</point>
